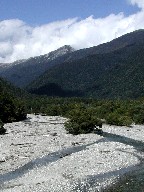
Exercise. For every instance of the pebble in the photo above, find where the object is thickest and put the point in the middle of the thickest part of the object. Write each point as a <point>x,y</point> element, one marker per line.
<point>41,135</point>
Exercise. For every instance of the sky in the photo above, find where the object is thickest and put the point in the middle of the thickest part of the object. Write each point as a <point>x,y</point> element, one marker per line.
<point>34,27</point>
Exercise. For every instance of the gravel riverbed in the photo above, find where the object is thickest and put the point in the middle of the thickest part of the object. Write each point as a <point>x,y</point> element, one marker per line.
<point>37,155</point>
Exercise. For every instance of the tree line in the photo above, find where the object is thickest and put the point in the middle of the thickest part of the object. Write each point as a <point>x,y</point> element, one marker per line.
<point>84,114</point>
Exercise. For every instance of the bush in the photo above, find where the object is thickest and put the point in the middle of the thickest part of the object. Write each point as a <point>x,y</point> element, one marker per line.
<point>119,120</point>
<point>82,121</point>
<point>137,113</point>
<point>11,109</point>
<point>2,129</point>
<point>53,110</point>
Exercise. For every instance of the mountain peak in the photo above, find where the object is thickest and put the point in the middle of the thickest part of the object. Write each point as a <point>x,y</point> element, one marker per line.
<point>60,51</point>
<point>67,48</point>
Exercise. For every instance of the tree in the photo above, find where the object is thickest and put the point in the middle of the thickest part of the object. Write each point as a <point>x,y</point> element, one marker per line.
<point>2,129</point>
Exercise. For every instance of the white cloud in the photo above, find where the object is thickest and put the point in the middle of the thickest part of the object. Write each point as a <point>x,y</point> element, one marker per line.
<point>139,3</point>
<point>19,40</point>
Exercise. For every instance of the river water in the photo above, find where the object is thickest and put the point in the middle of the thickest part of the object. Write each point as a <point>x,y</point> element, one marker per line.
<point>129,179</point>
<point>132,181</point>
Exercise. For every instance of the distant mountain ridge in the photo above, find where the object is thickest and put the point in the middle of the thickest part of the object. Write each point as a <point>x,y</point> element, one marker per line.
<point>22,72</point>
<point>110,70</point>
<point>115,73</point>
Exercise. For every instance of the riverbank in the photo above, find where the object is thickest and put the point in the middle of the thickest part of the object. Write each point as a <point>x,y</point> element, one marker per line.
<point>38,155</point>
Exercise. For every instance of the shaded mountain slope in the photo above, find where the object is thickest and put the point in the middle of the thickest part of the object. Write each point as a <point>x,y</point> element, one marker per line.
<point>7,88</point>
<point>22,73</point>
<point>118,74</point>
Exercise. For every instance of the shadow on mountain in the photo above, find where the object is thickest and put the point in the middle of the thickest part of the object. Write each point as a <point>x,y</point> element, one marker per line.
<point>52,89</point>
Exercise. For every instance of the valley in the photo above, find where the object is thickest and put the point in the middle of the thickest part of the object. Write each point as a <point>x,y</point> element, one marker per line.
<point>73,120</point>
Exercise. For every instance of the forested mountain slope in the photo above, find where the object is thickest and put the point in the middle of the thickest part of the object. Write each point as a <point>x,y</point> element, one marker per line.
<point>23,72</point>
<point>118,74</point>
<point>11,106</point>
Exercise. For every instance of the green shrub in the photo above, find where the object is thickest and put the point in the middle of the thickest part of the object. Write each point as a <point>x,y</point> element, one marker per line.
<point>11,109</point>
<point>139,118</point>
<point>137,113</point>
<point>82,121</point>
<point>119,120</point>
<point>2,129</point>
<point>53,110</point>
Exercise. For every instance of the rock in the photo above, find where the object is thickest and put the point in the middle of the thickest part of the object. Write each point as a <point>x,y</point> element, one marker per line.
<point>75,143</point>
<point>98,131</point>
<point>54,134</point>
<point>2,131</point>
<point>2,159</point>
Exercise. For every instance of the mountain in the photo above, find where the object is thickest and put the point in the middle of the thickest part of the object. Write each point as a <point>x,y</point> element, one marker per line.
<point>22,72</point>
<point>6,88</point>
<point>111,70</point>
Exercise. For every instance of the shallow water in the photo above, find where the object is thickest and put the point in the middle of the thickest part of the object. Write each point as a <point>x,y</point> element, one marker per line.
<point>132,181</point>
<point>138,145</point>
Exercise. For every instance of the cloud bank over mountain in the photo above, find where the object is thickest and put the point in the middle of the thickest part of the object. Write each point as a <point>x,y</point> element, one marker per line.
<point>139,3</point>
<point>19,40</point>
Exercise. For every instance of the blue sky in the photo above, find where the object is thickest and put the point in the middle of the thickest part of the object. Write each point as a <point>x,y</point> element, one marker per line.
<point>30,28</point>
<point>36,12</point>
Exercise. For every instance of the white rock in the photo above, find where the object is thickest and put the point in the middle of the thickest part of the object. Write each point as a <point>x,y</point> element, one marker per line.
<point>35,138</point>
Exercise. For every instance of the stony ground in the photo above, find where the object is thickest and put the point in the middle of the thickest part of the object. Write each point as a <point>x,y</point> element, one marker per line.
<point>33,156</point>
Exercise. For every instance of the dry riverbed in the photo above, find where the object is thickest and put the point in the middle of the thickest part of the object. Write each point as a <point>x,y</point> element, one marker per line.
<point>37,155</point>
